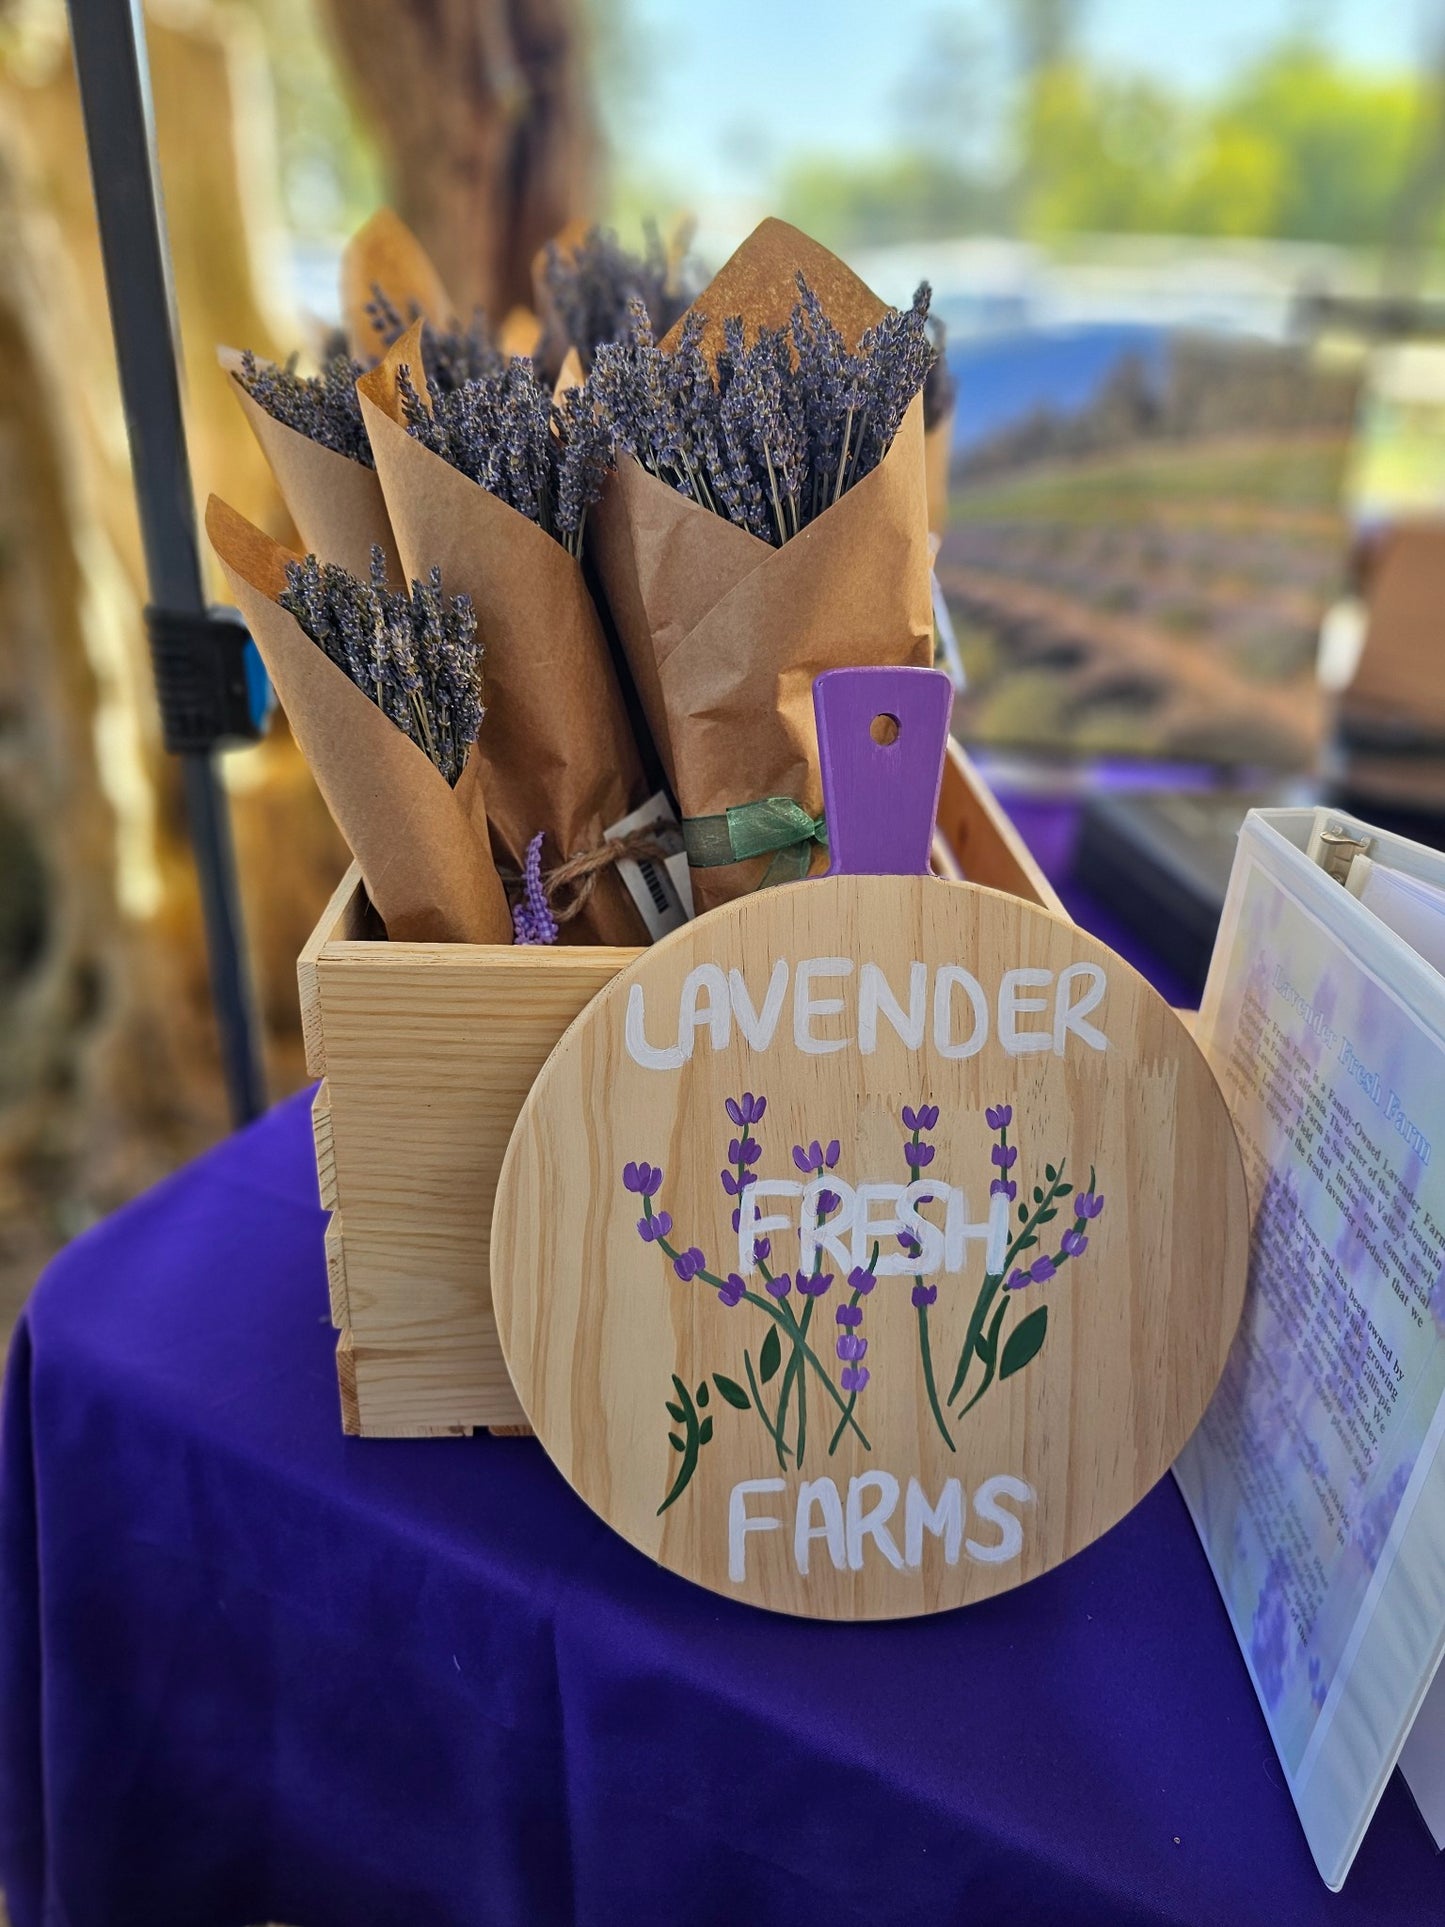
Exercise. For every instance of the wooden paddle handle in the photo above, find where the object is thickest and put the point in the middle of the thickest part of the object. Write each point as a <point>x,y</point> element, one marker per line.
<point>882,734</point>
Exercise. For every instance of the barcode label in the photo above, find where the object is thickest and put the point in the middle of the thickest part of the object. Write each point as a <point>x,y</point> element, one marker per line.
<point>660,887</point>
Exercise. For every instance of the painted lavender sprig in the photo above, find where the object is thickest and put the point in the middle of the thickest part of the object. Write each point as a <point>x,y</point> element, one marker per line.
<point>787,1331</point>
<point>781,426</point>
<point>322,407</point>
<point>812,1286</point>
<point>851,1344</point>
<point>984,1339</point>
<point>547,459</point>
<point>417,656</point>
<point>918,1155</point>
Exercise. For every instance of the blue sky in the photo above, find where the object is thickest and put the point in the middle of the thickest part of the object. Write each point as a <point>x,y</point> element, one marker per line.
<point>723,95</point>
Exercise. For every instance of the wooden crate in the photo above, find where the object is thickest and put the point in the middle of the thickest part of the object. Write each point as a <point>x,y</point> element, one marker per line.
<point>425,1053</point>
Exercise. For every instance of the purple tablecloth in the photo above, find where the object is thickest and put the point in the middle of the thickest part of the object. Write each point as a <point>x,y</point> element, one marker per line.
<point>251,1670</point>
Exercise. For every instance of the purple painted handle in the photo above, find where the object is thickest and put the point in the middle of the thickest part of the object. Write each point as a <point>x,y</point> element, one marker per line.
<point>880,797</point>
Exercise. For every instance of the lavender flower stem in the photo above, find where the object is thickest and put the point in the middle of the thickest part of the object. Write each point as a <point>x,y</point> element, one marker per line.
<point>795,1371</point>
<point>671,1253</point>
<point>928,1380</point>
<point>774,1429</point>
<point>843,452</point>
<point>989,1291</point>
<point>852,1396</point>
<point>773,491</point>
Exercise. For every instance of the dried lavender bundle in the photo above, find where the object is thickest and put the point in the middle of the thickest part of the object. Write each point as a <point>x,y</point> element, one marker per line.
<point>545,458</point>
<point>321,407</point>
<point>593,287</point>
<point>417,656</point>
<point>451,356</point>
<point>781,427</point>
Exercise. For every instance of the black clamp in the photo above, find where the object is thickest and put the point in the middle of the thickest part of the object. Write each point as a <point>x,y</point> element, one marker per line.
<point>210,681</point>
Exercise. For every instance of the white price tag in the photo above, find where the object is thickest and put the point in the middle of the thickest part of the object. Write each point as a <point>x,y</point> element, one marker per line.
<point>661,887</point>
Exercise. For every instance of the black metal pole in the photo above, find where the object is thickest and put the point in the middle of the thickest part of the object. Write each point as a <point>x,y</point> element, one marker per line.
<point>114,75</point>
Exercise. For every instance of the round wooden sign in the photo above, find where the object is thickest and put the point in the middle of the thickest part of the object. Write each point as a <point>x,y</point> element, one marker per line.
<point>874,1243</point>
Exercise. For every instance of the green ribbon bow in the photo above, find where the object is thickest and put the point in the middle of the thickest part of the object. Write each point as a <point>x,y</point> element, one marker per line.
<point>774,825</point>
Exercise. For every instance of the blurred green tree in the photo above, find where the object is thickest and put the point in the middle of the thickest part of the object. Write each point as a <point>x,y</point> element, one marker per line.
<point>1296,146</point>
<point>1338,145</point>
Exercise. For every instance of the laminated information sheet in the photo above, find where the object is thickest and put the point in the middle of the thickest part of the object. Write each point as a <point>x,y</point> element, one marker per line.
<point>1316,1480</point>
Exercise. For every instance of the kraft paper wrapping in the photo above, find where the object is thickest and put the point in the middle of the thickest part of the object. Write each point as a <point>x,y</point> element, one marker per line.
<point>759,282</point>
<point>336,503</point>
<point>724,633</point>
<point>384,253</point>
<point>422,846</point>
<point>557,751</point>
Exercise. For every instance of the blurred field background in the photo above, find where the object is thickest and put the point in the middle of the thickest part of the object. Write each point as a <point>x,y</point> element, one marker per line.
<point>1152,232</point>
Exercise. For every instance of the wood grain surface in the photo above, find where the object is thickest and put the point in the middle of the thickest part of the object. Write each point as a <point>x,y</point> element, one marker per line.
<point>677,1414</point>
<point>427,1051</point>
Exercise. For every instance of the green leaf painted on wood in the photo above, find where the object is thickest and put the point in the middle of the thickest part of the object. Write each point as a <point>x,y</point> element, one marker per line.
<point>702,1395</point>
<point>1024,1341</point>
<point>705,1432</point>
<point>729,1389</point>
<point>677,1412</point>
<point>771,1356</point>
<point>675,1442</point>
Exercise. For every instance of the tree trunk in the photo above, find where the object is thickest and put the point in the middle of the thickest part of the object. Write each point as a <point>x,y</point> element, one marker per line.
<point>482,111</point>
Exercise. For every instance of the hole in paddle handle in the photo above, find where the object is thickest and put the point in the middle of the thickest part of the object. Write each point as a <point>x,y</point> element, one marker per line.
<point>882,736</point>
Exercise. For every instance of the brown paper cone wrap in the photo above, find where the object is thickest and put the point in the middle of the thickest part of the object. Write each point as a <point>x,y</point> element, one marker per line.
<point>520,333</point>
<point>557,749</point>
<point>384,253</point>
<point>759,282</point>
<point>422,846</point>
<point>335,503</point>
<point>724,633</point>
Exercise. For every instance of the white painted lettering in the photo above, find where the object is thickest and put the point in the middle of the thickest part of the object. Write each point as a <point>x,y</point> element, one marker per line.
<point>704,1000</point>
<point>875,999</point>
<point>928,1236</point>
<point>1069,1015</point>
<point>740,1525</point>
<point>832,1236</point>
<point>824,1494</point>
<point>944,1521</point>
<point>752,1225</point>
<point>957,1230</point>
<point>1033,1010</point>
<point>1012,1004</point>
<point>1011,1533</point>
<point>948,976</point>
<point>871,1522</point>
<point>759,1028</point>
<point>669,1058</point>
<point>806,1006</point>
